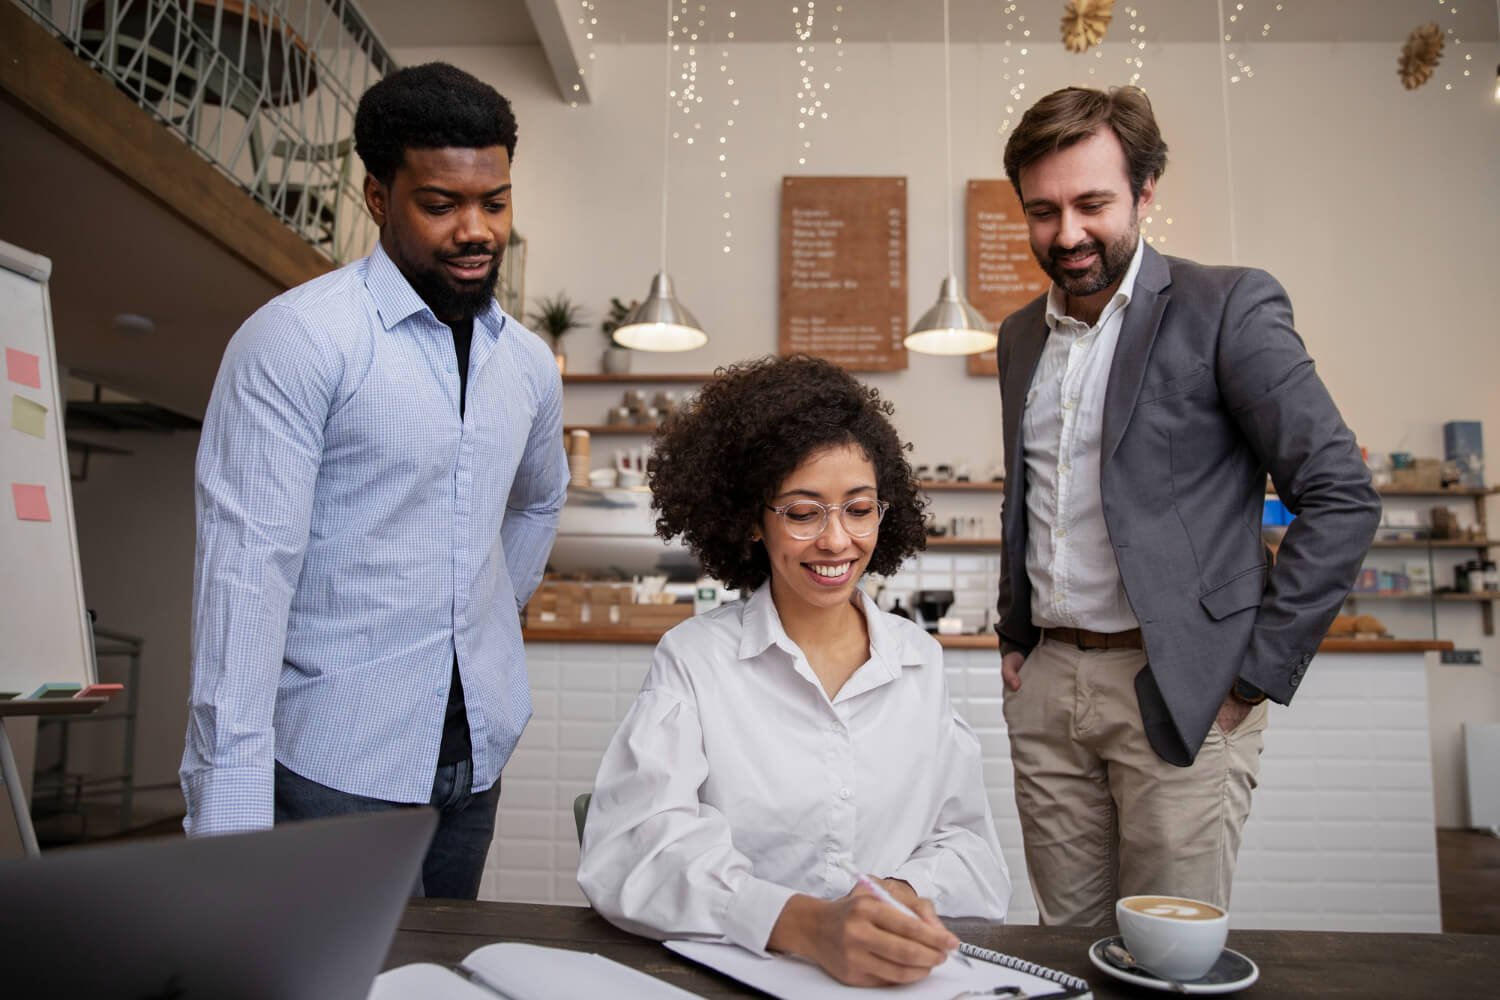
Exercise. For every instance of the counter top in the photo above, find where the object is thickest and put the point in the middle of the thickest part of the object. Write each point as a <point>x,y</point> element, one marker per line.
<point>650,636</point>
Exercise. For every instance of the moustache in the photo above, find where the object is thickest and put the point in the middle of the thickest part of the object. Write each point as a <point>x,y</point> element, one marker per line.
<point>1073,253</point>
<point>472,250</point>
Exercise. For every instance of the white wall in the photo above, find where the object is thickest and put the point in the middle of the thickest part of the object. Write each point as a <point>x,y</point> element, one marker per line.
<point>1377,208</point>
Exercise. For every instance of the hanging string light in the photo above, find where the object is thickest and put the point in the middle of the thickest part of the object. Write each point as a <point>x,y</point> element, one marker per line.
<point>811,91</point>
<point>724,144</point>
<point>1015,26</point>
<point>588,20</point>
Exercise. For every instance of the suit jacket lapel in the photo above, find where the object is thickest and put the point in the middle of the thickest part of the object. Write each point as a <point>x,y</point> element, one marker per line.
<point>1030,333</point>
<point>1142,319</point>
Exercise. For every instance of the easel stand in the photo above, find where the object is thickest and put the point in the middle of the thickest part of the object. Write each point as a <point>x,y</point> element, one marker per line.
<point>8,770</point>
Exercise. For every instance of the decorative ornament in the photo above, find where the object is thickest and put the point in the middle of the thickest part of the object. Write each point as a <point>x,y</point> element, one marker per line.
<point>1084,23</point>
<point>1420,55</point>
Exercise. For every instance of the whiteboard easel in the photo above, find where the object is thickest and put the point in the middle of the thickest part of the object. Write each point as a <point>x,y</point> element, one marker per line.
<point>45,634</point>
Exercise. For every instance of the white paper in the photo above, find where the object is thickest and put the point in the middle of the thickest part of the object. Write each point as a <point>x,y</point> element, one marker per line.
<point>525,972</point>
<point>427,982</point>
<point>792,979</point>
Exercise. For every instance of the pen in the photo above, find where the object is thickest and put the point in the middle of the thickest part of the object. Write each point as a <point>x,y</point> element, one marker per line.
<point>881,893</point>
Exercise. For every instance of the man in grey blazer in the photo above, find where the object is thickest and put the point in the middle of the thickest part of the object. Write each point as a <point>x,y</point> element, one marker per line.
<point>1142,624</point>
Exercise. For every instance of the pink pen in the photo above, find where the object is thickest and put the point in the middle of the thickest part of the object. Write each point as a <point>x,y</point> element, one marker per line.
<point>881,893</point>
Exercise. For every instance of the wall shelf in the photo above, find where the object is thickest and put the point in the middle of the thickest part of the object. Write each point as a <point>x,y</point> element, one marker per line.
<point>1434,543</point>
<point>944,542</point>
<point>596,429</point>
<point>937,485</point>
<point>626,378</point>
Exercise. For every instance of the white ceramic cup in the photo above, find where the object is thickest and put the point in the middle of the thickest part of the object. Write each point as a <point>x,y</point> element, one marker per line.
<point>1172,936</point>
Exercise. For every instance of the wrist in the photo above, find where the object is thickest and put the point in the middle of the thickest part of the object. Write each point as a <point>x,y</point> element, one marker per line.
<point>1246,693</point>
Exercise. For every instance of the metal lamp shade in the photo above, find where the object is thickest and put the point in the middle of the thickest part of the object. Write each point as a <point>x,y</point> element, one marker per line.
<point>660,323</point>
<point>952,326</point>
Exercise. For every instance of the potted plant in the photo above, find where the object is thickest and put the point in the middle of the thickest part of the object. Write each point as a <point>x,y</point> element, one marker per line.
<point>616,359</point>
<point>556,316</point>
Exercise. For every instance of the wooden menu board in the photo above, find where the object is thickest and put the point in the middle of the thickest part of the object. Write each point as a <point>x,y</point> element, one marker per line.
<point>843,270</point>
<point>1003,274</point>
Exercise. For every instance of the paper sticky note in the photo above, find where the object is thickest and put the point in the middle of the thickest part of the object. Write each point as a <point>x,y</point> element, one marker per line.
<point>31,502</point>
<point>23,368</point>
<point>28,417</point>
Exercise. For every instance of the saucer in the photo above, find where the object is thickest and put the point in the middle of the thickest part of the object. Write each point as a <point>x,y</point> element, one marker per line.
<point>1231,972</point>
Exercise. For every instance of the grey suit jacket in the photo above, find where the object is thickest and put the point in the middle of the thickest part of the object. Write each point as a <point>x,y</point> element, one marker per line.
<point>1210,390</point>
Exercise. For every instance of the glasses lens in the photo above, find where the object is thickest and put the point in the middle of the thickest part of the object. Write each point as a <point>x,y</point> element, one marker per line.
<point>804,519</point>
<point>861,517</point>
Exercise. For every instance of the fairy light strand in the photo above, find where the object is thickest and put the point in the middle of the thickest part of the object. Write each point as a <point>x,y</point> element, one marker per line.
<point>1012,73</point>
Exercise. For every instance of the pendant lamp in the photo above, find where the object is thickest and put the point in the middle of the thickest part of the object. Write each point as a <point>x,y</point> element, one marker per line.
<point>660,322</point>
<point>952,326</point>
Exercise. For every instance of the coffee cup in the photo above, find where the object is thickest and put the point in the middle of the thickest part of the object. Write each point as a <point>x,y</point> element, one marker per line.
<point>1174,937</point>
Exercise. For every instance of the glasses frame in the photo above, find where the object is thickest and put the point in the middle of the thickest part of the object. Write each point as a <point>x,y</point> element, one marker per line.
<point>828,508</point>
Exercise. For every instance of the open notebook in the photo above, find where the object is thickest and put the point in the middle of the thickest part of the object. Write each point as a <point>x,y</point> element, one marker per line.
<point>518,971</point>
<point>792,979</point>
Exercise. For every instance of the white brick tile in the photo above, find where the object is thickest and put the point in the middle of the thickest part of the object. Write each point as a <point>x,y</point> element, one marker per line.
<point>528,763</point>
<point>578,765</point>
<point>542,674</point>
<point>543,706</point>
<point>985,682</point>
<point>539,735</point>
<point>567,892</point>
<point>513,852</point>
<point>578,735</point>
<point>632,675</point>
<point>1408,836</point>
<point>524,793</point>
<point>522,824</point>
<point>588,676</point>
<point>523,887</point>
<point>983,712</point>
<point>585,706</point>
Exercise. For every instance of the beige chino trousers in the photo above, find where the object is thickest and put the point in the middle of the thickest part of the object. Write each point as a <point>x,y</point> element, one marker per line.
<point>1102,816</point>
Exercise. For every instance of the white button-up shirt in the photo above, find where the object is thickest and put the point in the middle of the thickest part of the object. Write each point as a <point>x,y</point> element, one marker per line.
<point>734,782</point>
<point>1075,580</point>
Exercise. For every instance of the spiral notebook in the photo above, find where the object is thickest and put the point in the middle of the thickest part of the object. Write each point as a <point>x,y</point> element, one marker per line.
<point>793,979</point>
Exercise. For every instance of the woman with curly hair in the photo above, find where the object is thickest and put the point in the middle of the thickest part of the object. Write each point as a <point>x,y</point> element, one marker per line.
<point>779,740</point>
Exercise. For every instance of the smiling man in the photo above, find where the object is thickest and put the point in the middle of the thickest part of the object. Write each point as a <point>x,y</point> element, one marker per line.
<point>1142,626</point>
<point>378,485</point>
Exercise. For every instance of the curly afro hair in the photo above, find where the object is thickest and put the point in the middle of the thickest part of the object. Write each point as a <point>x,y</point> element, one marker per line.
<point>723,456</point>
<point>431,106</point>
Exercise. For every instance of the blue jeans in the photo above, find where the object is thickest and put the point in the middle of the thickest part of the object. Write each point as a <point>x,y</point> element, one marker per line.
<point>466,823</point>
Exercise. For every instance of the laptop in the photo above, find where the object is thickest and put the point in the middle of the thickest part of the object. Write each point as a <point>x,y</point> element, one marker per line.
<point>305,910</point>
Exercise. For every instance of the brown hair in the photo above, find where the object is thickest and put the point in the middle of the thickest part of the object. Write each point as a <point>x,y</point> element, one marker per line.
<point>1069,115</point>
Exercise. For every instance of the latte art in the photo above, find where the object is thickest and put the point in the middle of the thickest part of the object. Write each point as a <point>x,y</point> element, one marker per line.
<point>1173,908</point>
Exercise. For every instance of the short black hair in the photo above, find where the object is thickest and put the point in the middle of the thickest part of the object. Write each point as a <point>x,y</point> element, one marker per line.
<point>431,106</point>
<point>720,459</point>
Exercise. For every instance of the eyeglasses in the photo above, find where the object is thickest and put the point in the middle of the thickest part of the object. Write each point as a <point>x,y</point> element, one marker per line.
<point>806,519</point>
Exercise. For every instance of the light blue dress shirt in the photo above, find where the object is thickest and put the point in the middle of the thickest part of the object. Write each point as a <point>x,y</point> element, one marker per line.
<point>354,534</point>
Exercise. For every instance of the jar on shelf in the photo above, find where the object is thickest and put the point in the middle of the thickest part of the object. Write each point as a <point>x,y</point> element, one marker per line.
<point>1491,577</point>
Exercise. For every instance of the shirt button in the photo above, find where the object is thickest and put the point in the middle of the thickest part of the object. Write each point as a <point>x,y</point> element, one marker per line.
<point>844,793</point>
<point>1067,404</point>
<point>1062,532</point>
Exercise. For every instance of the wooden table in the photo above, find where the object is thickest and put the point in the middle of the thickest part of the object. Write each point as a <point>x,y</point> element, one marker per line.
<point>1292,963</point>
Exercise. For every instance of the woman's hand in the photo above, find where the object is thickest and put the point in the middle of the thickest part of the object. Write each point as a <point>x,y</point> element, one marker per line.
<point>860,940</point>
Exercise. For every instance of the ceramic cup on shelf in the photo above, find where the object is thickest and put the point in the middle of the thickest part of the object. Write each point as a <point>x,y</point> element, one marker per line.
<point>1173,936</point>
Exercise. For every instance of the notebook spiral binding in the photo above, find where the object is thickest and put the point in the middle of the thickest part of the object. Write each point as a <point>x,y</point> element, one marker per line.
<point>1021,965</point>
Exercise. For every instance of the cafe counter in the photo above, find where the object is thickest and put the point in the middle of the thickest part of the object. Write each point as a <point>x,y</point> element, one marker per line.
<point>1341,835</point>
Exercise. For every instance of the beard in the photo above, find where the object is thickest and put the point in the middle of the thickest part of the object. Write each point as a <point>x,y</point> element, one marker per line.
<point>1112,263</point>
<point>449,298</point>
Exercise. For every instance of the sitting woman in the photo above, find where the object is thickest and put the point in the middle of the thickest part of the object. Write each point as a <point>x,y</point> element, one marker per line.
<point>780,739</point>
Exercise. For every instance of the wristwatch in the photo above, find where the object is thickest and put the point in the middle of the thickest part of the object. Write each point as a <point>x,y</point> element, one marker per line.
<point>1246,692</point>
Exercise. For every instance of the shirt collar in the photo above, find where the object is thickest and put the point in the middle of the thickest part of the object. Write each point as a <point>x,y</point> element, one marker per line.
<point>1057,299</point>
<point>396,301</point>
<point>761,629</point>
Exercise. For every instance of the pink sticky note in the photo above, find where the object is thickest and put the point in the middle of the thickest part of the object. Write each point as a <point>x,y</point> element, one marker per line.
<point>23,368</point>
<point>31,502</point>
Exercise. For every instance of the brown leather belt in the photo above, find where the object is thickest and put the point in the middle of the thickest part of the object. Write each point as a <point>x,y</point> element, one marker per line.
<point>1084,639</point>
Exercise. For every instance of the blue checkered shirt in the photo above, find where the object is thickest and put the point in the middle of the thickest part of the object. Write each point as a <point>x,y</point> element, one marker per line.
<point>354,535</point>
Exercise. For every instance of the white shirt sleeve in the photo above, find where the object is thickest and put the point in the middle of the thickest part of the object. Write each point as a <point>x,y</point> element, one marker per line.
<point>656,860</point>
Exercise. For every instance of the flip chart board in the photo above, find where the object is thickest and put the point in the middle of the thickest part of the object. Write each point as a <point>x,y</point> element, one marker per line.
<point>44,631</point>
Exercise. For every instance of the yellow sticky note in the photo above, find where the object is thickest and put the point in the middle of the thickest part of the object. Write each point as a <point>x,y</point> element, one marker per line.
<point>28,417</point>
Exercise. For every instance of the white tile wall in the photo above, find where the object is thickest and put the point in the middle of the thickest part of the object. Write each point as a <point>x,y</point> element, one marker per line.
<point>1341,835</point>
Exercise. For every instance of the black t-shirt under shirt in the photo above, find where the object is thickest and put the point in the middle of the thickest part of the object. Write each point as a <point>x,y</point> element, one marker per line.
<point>456,746</point>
